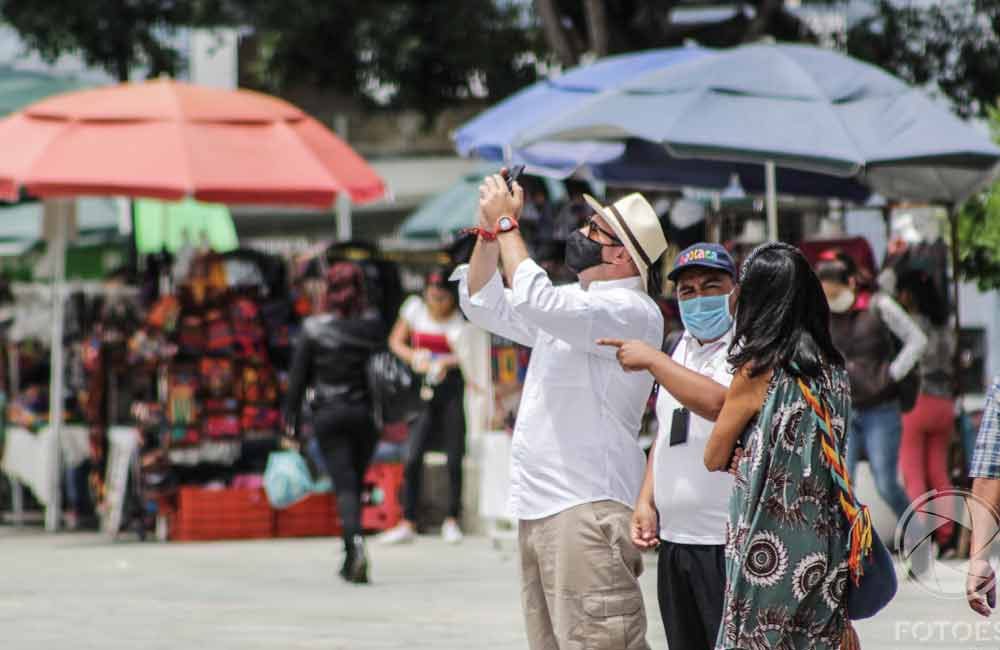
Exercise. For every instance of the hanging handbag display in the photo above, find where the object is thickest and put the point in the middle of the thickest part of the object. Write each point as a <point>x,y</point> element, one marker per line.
<point>260,418</point>
<point>217,377</point>
<point>220,333</point>
<point>871,581</point>
<point>182,405</point>
<point>191,335</point>
<point>222,426</point>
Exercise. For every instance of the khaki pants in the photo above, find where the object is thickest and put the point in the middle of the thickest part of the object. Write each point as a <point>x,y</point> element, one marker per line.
<point>579,580</point>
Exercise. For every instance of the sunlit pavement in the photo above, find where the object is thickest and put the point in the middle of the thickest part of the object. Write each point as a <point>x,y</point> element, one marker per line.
<point>75,591</point>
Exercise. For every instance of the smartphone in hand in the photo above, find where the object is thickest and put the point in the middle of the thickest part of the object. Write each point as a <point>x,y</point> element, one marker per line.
<point>512,175</point>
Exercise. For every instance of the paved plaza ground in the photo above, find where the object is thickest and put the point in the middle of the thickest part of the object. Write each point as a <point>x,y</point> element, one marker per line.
<point>76,591</point>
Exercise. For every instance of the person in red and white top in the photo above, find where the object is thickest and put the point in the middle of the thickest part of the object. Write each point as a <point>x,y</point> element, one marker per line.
<point>421,338</point>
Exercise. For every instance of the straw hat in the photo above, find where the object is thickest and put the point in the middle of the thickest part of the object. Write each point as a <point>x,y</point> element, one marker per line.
<point>635,223</point>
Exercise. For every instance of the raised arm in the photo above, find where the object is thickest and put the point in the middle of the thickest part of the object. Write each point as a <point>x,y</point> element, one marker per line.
<point>906,330</point>
<point>484,261</point>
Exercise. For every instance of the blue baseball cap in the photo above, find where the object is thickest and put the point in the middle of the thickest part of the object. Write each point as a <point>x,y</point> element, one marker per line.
<point>710,256</point>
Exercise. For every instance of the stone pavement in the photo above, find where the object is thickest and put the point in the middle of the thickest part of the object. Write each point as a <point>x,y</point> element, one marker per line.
<point>80,591</point>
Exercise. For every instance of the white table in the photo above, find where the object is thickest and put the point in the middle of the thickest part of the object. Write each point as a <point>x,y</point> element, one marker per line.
<point>29,460</point>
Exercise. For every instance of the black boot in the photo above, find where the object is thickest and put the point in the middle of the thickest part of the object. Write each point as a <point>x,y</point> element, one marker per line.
<point>355,567</point>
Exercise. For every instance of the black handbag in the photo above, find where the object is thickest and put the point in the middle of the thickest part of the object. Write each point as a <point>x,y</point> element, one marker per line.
<point>877,585</point>
<point>394,389</point>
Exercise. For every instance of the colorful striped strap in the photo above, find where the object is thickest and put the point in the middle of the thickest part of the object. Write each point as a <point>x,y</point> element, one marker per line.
<point>860,534</point>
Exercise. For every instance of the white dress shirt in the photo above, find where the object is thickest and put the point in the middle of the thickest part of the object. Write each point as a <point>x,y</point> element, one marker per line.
<point>576,436</point>
<point>693,502</point>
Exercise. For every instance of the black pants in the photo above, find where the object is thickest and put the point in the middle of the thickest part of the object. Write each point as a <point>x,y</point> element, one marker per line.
<point>347,436</point>
<point>444,418</point>
<point>691,586</point>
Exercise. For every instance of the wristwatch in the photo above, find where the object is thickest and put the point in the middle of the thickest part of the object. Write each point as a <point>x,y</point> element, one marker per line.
<point>506,224</point>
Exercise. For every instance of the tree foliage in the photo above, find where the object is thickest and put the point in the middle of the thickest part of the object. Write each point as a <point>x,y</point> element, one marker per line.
<point>952,45</point>
<point>979,230</point>
<point>115,35</point>
<point>575,28</point>
<point>422,55</point>
<point>400,53</point>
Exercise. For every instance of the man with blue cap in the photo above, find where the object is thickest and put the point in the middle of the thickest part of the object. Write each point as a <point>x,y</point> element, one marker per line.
<point>682,507</point>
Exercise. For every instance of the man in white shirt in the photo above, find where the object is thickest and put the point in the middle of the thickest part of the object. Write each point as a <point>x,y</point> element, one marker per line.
<point>692,503</point>
<point>576,464</point>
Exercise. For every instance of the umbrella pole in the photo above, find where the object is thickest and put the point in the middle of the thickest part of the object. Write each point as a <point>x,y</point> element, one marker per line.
<point>956,286</point>
<point>771,183</point>
<point>343,199</point>
<point>344,217</point>
<point>53,510</point>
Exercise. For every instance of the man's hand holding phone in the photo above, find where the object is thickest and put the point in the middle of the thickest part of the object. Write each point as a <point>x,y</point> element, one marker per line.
<point>512,175</point>
<point>496,199</point>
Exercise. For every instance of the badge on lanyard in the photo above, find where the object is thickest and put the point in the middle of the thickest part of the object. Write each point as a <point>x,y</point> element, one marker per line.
<point>679,427</point>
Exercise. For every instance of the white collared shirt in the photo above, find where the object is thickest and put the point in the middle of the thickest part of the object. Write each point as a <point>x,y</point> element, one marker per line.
<point>693,502</point>
<point>576,436</point>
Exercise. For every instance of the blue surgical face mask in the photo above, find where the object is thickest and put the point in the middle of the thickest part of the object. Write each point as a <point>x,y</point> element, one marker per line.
<point>706,317</point>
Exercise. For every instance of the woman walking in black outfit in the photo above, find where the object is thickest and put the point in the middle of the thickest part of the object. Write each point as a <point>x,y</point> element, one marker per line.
<point>331,357</point>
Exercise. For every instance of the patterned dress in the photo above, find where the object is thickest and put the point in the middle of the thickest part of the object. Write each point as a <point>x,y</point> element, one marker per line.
<point>786,541</point>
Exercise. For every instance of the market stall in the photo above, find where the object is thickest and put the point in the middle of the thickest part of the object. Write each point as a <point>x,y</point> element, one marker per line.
<point>170,140</point>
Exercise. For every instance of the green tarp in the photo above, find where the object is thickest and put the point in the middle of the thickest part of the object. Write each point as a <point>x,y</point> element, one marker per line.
<point>179,221</point>
<point>447,213</point>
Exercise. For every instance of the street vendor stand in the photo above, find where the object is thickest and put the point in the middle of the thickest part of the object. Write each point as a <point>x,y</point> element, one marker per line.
<point>169,140</point>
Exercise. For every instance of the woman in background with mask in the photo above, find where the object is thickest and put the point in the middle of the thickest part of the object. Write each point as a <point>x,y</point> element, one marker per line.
<point>863,324</point>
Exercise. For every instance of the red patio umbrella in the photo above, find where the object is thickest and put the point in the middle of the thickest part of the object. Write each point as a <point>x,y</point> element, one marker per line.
<point>168,139</point>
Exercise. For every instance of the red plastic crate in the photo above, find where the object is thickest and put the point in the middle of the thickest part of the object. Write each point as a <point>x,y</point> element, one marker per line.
<point>314,516</point>
<point>230,513</point>
<point>381,506</point>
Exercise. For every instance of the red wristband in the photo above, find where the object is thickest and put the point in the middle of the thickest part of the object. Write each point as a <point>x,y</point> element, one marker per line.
<point>482,233</point>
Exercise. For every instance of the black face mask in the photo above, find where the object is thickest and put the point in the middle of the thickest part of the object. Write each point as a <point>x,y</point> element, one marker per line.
<point>582,252</point>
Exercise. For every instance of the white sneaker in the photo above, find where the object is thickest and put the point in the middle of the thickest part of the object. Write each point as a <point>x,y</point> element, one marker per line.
<point>401,534</point>
<point>451,533</point>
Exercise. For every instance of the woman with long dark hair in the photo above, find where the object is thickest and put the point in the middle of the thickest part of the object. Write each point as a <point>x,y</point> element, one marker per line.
<point>330,357</point>
<point>929,427</point>
<point>787,542</point>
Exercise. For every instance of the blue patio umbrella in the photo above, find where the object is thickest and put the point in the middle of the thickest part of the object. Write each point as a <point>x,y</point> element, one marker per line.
<point>647,164</point>
<point>492,136</point>
<point>793,105</point>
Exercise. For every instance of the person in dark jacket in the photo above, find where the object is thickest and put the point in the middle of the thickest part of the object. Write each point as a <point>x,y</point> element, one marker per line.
<point>864,324</point>
<point>331,357</point>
